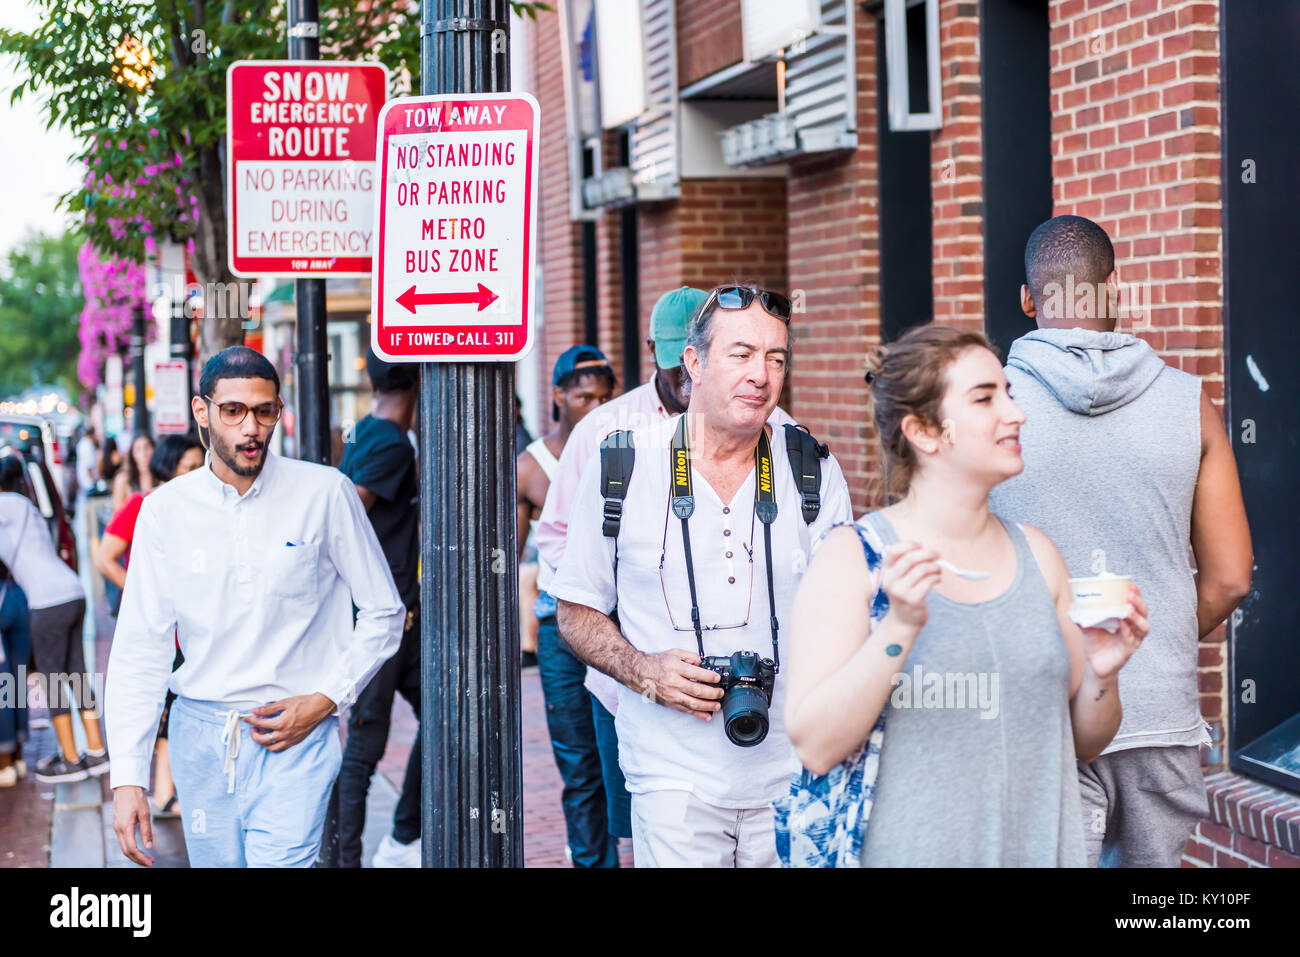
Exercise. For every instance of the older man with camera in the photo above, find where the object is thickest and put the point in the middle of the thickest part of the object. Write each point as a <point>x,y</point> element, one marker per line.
<point>667,588</point>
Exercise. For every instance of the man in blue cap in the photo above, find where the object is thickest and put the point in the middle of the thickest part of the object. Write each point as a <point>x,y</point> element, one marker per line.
<point>582,381</point>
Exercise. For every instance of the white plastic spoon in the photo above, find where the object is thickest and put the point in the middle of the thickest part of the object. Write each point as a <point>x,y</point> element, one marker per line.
<point>961,572</point>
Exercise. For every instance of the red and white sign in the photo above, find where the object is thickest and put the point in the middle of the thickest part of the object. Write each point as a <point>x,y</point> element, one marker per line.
<point>300,165</point>
<point>457,213</point>
<point>171,397</point>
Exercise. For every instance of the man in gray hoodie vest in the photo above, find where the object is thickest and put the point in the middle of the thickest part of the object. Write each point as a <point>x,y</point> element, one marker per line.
<point>1127,463</point>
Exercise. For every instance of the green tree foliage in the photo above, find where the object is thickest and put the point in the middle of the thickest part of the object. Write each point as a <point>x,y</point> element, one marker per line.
<point>143,82</point>
<point>40,299</point>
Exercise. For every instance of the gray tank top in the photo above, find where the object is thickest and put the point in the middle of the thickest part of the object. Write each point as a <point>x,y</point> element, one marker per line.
<point>978,765</point>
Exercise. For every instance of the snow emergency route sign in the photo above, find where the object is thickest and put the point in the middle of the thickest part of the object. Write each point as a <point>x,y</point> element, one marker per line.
<point>301,166</point>
<point>457,213</point>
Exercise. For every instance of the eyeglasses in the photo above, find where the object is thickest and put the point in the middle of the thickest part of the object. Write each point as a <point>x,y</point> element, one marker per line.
<point>234,413</point>
<point>742,297</point>
<point>663,586</point>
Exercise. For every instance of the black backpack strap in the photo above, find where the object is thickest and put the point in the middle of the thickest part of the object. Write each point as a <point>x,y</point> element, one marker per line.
<point>805,454</point>
<point>617,456</point>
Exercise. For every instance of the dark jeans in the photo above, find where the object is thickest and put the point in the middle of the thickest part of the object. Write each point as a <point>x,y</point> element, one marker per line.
<point>573,741</point>
<point>618,802</point>
<point>367,737</point>
<point>17,639</point>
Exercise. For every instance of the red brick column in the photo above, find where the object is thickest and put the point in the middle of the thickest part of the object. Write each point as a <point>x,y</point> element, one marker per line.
<point>1136,147</point>
<point>957,178</point>
<point>834,262</point>
<point>559,250</point>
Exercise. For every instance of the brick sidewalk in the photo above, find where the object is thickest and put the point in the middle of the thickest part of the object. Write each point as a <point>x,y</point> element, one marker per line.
<point>26,811</point>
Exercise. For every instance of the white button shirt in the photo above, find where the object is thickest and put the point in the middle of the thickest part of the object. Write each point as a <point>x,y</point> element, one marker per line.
<point>259,589</point>
<point>660,747</point>
<point>633,410</point>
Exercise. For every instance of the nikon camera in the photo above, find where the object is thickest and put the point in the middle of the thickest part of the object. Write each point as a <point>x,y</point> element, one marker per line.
<point>747,682</point>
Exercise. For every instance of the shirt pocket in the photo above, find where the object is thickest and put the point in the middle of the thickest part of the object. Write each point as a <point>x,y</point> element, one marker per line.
<point>293,571</point>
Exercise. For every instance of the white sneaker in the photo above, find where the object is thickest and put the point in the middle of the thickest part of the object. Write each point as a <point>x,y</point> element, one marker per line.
<point>394,854</point>
<point>8,777</point>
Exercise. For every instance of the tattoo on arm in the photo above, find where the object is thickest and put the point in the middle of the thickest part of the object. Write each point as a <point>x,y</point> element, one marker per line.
<point>1099,694</point>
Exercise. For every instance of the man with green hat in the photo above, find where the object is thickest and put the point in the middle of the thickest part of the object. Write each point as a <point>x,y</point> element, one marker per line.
<point>665,395</point>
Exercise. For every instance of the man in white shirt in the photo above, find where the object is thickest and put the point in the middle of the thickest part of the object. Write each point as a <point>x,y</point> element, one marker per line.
<point>255,562</point>
<point>698,798</point>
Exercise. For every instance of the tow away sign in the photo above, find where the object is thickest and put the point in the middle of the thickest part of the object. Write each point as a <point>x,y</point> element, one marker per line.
<point>301,166</point>
<point>457,213</point>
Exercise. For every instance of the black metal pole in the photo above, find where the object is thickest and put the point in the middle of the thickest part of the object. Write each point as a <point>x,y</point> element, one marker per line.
<point>312,361</point>
<point>473,784</point>
<point>137,373</point>
<point>182,347</point>
<point>312,381</point>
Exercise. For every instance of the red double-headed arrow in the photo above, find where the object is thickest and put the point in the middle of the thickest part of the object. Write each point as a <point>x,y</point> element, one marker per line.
<point>410,299</point>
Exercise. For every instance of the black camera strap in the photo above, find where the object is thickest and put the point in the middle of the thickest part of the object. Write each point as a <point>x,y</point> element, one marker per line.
<point>683,505</point>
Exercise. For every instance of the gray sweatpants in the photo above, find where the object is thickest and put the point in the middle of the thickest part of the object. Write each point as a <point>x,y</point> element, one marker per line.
<point>1140,805</point>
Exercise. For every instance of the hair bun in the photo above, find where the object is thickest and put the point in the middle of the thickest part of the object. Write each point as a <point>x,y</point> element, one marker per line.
<point>875,362</point>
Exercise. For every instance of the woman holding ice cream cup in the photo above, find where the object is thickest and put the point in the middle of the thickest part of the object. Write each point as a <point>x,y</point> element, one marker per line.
<point>952,628</point>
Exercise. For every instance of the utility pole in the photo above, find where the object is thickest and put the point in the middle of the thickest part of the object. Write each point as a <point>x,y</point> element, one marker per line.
<point>312,362</point>
<point>312,380</point>
<point>472,813</point>
<point>182,348</point>
<point>141,418</point>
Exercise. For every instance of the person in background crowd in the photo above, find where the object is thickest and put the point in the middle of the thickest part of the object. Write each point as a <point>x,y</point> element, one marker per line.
<point>522,435</point>
<point>702,789</point>
<point>110,461</point>
<point>665,394</point>
<point>581,381</point>
<point>257,562</point>
<point>381,463</point>
<point>1127,463</point>
<point>175,455</point>
<point>134,477</point>
<point>57,607</point>
<point>87,469</point>
<point>981,772</point>
<point>15,647</point>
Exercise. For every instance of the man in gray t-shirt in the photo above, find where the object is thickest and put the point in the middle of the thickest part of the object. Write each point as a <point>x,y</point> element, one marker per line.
<point>1127,464</point>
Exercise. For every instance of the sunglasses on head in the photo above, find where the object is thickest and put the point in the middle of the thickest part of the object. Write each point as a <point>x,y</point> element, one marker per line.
<point>742,297</point>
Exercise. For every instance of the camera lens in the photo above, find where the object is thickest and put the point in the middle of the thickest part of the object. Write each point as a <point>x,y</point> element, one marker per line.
<point>744,715</point>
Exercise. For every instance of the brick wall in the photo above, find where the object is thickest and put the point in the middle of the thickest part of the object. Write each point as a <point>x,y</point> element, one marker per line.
<point>708,38</point>
<point>719,230</point>
<point>1136,147</point>
<point>957,184</point>
<point>834,261</point>
<point>1250,825</point>
<point>559,251</point>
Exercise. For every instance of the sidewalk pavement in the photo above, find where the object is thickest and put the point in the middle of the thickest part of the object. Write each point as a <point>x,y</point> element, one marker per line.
<point>71,825</point>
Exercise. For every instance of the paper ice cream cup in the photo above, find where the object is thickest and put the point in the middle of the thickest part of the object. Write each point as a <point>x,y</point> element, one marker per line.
<point>1100,591</point>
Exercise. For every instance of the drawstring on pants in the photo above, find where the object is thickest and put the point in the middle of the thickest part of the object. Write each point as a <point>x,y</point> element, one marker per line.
<point>230,738</point>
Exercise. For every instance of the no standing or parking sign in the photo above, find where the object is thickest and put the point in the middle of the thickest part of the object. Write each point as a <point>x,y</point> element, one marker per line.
<point>457,223</point>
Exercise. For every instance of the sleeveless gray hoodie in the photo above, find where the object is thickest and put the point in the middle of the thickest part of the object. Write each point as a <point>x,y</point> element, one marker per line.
<point>1112,449</point>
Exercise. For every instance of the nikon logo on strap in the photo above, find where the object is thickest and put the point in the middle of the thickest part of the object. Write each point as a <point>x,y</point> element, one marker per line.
<point>682,468</point>
<point>765,475</point>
